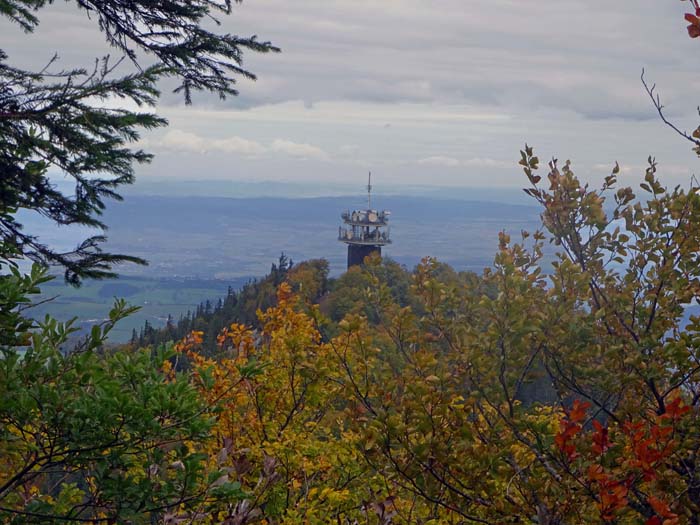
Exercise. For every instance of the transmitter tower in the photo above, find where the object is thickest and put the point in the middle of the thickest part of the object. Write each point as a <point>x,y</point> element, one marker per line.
<point>365,231</point>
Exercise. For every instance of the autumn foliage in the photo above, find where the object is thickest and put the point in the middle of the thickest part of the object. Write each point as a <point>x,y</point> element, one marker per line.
<point>625,467</point>
<point>559,397</point>
<point>559,386</point>
<point>566,396</point>
<point>693,20</point>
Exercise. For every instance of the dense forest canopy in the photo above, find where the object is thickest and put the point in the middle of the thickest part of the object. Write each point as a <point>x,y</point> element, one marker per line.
<point>336,297</point>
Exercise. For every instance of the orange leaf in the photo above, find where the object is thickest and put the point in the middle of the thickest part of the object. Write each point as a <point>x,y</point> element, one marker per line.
<point>596,473</point>
<point>674,409</point>
<point>659,433</point>
<point>663,510</point>
<point>578,411</point>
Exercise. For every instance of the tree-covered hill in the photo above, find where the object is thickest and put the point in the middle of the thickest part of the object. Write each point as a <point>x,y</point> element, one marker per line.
<point>336,298</point>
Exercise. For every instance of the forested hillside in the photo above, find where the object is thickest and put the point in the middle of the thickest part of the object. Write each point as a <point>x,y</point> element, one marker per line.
<point>518,395</point>
<point>551,390</point>
<point>335,297</point>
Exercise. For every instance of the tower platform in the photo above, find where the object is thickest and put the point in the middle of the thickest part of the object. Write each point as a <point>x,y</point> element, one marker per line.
<point>365,231</point>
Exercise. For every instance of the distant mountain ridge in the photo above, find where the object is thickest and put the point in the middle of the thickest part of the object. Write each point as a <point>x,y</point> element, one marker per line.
<point>151,186</point>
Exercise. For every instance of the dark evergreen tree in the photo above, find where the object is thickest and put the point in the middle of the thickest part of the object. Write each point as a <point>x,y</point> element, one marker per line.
<point>241,306</point>
<point>57,120</point>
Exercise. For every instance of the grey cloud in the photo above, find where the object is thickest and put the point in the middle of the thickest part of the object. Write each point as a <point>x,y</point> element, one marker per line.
<point>560,74</point>
<point>565,54</point>
<point>474,162</point>
<point>298,150</point>
<point>439,160</point>
<point>179,141</point>
<point>585,56</point>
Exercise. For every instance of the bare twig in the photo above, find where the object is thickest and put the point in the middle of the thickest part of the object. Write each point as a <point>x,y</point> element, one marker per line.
<point>659,109</point>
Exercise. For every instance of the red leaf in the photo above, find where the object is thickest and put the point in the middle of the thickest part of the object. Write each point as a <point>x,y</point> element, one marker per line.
<point>600,438</point>
<point>567,431</point>
<point>613,496</point>
<point>659,433</point>
<point>659,506</point>
<point>663,510</point>
<point>693,31</point>
<point>578,411</point>
<point>596,473</point>
<point>674,409</point>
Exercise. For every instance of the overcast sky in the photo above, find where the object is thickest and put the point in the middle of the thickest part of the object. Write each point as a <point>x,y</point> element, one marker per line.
<point>441,92</point>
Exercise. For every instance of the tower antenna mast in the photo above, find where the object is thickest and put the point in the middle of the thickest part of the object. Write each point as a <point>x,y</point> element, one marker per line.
<point>369,191</point>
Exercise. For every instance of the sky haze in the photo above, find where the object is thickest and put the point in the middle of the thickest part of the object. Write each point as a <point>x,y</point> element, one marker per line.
<point>440,93</point>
